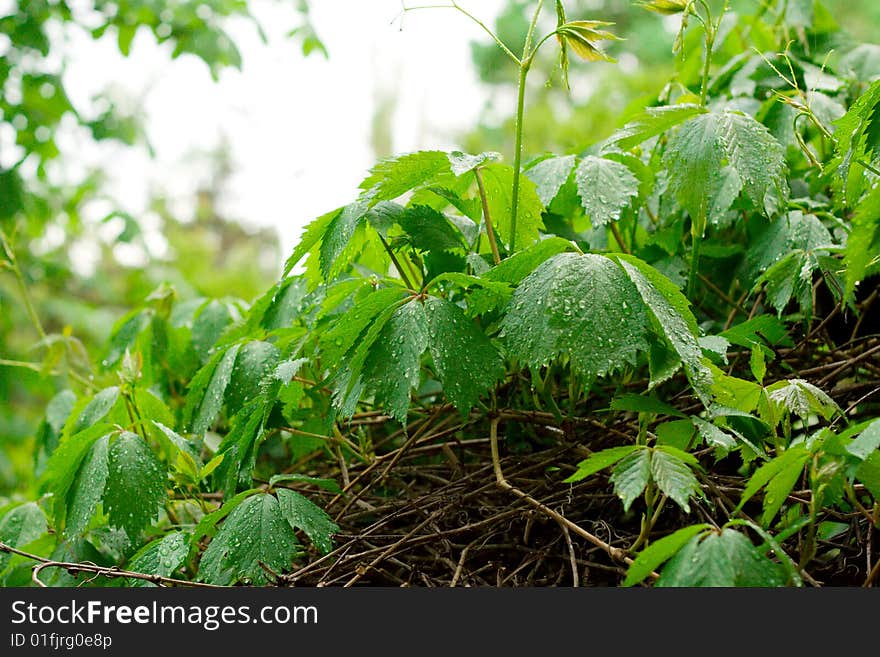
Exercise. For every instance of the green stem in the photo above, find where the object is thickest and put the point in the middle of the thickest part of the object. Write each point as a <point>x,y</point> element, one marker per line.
<point>868,167</point>
<point>524,66</point>
<point>619,238</point>
<point>487,218</point>
<point>696,242</point>
<point>476,20</point>
<point>707,63</point>
<point>396,263</point>
<point>35,367</point>
<point>22,285</point>
<point>647,518</point>
<point>517,153</point>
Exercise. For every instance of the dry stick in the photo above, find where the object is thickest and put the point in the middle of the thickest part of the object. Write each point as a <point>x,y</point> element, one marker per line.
<point>734,310</point>
<point>396,457</point>
<point>575,578</point>
<point>73,567</point>
<point>615,553</point>
<point>342,551</point>
<point>490,231</point>
<point>722,294</point>
<point>458,569</point>
<point>875,572</point>
<point>391,549</point>
<point>860,400</point>
<point>818,328</point>
<point>864,309</point>
<point>847,364</point>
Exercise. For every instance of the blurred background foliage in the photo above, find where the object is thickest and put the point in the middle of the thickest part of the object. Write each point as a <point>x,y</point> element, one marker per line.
<point>604,97</point>
<point>72,263</point>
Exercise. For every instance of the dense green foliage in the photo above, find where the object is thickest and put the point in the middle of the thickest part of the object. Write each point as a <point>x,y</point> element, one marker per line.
<point>666,276</point>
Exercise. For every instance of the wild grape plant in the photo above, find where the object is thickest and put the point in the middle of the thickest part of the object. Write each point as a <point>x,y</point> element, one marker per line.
<point>666,277</point>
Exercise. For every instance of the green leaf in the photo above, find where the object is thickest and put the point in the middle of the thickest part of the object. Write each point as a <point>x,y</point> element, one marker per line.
<point>868,473</point>
<point>678,433</point>
<point>160,557</point>
<point>212,318</point>
<point>428,229</point>
<point>12,196</point>
<point>673,476</point>
<point>652,122</point>
<point>97,409</point>
<point>795,231</point>
<point>466,362</point>
<point>790,462</point>
<point>346,380</point>
<point>867,442</point>
<point>802,398</point>
<point>606,188</point>
<point>135,484</point>
<point>549,175</point>
<point>863,244</point>
<point>659,552</point>
<point>208,523</point>
<point>63,465</point>
<point>255,532</point>
<point>757,330</point>
<point>304,514</point>
<point>757,364</point>
<point>124,335</point>
<point>856,140</point>
<point>667,7</point>
<point>599,461</point>
<point>312,235</point>
<point>713,435</point>
<point>395,176</point>
<point>522,263</point>
<point>463,162</point>
<point>338,235</point>
<point>580,306</point>
<point>88,488</point>
<point>498,182</point>
<point>671,312</point>
<point>207,390</point>
<point>643,404</point>
<point>253,363</point>
<point>790,277</point>
<point>188,460</point>
<point>344,333</point>
<point>714,157</point>
<point>780,486</point>
<point>631,475</point>
<point>582,37</point>
<point>470,208</point>
<point>728,559</point>
<point>392,367</point>
<point>21,525</point>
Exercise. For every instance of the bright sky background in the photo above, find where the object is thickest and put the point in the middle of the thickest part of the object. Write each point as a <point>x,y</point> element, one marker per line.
<point>298,127</point>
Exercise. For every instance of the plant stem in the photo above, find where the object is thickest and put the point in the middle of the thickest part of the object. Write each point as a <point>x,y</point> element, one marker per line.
<point>476,20</point>
<point>517,153</point>
<point>696,242</point>
<point>619,238</point>
<point>487,218</point>
<point>396,263</point>
<point>615,553</point>
<point>707,63</point>
<point>524,66</point>
<point>22,285</point>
